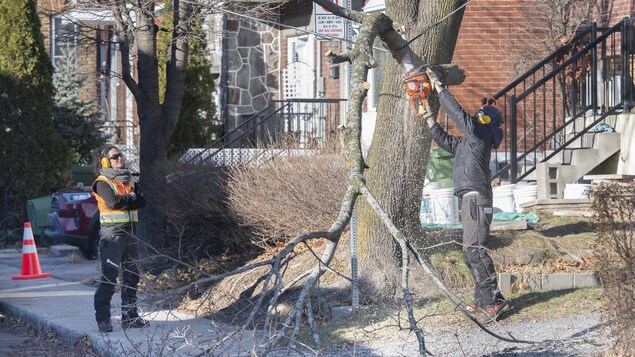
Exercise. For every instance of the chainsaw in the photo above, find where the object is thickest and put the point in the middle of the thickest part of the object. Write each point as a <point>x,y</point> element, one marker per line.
<point>418,87</point>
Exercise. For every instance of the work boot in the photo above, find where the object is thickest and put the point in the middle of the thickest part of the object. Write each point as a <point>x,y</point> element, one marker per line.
<point>133,321</point>
<point>492,312</point>
<point>104,326</point>
<point>473,308</point>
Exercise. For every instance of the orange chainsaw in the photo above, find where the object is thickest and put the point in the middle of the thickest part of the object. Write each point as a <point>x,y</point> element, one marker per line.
<point>418,87</point>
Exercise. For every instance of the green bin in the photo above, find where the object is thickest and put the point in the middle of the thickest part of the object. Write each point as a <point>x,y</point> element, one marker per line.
<point>83,175</point>
<point>37,210</point>
<point>440,167</point>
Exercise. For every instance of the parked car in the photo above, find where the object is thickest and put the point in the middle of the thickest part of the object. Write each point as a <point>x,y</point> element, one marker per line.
<point>74,219</point>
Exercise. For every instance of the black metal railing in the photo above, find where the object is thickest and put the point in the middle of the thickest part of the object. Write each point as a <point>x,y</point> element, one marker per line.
<point>555,107</point>
<point>289,124</point>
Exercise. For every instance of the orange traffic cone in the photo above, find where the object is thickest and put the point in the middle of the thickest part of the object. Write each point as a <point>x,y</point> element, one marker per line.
<point>30,262</point>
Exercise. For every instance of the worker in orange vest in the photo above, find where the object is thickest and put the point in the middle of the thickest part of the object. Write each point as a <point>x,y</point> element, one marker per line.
<point>118,199</point>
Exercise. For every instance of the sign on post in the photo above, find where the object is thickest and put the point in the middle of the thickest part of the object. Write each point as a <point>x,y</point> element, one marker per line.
<point>328,24</point>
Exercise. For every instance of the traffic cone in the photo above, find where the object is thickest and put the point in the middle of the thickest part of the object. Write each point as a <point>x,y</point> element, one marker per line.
<point>30,262</point>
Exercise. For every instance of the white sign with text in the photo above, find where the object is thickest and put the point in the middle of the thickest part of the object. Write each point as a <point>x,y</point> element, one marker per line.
<point>328,24</point>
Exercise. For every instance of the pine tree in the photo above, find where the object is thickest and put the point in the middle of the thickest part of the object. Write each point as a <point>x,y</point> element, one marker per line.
<point>77,121</point>
<point>33,157</point>
<point>196,126</point>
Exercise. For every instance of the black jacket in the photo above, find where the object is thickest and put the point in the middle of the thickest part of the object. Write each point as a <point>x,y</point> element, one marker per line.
<point>122,202</point>
<point>472,151</point>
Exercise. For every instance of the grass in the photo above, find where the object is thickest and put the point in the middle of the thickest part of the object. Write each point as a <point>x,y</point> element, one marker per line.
<point>381,322</point>
<point>554,244</point>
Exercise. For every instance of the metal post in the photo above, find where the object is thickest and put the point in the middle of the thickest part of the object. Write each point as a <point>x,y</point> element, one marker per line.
<point>594,70</point>
<point>513,149</point>
<point>625,74</point>
<point>354,274</point>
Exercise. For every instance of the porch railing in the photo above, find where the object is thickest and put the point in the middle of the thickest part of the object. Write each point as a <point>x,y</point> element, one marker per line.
<point>556,106</point>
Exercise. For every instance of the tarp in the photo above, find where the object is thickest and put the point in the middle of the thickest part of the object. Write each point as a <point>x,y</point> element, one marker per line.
<point>530,217</point>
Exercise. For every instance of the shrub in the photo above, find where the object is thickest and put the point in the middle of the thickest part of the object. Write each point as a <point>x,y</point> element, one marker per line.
<point>614,204</point>
<point>193,198</point>
<point>288,195</point>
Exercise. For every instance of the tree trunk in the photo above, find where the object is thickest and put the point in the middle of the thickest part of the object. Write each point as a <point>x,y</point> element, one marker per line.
<point>401,144</point>
<point>156,121</point>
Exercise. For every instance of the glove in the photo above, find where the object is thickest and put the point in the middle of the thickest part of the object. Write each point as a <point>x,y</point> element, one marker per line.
<point>132,195</point>
<point>425,111</point>
<point>434,76</point>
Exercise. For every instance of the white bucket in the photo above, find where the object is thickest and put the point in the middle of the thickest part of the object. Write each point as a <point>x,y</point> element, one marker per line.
<point>504,198</point>
<point>445,206</point>
<point>526,192</point>
<point>426,212</point>
<point>574,191</point>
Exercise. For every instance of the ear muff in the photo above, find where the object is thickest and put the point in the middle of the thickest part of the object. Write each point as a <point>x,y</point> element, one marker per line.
<point>105,162</point>
<point>483,118</point>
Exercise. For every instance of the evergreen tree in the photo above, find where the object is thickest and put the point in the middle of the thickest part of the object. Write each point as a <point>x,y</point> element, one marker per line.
<point>33,157</point>
<point>197,126</point>
<point>78,122</point>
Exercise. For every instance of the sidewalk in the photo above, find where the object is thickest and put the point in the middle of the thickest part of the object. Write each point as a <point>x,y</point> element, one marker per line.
<point>65,305</point>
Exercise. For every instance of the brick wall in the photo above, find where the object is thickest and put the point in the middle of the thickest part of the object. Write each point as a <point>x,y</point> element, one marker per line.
<point>618,9</point>
<point>488,47</point>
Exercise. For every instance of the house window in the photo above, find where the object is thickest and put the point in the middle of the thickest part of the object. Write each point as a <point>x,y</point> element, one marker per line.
<point>63,38</point>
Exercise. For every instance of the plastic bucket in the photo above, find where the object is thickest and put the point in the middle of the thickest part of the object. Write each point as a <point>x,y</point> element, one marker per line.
<point>504,198</point>
<point>445,206</point>
<point>574,191</point>
<point>524,193</point>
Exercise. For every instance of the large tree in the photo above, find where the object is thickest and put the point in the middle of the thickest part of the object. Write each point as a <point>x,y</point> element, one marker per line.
<point>32,156</point>
<point>137,30</point>
<point>399,151</point>
<point>196,126</point>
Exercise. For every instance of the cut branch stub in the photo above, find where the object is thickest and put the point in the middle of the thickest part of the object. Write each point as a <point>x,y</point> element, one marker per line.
<point>451,74</point>
<point>333,58</point>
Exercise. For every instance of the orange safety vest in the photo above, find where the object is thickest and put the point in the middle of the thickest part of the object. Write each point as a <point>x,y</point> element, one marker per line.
<point>107,215</point>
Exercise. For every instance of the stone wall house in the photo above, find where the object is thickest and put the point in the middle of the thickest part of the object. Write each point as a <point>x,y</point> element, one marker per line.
<point>261,62</point>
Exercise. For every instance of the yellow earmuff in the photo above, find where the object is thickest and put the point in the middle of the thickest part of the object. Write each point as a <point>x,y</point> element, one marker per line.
<point>105,162</point>
<point>483,118</point>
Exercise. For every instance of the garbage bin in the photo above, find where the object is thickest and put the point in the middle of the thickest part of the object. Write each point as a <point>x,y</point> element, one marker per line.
<point>440,167</point>
<point>83,175</point>
<point>37,211</point>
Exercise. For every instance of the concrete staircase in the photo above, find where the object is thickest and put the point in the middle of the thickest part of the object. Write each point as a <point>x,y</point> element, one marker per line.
<point>593,150</point>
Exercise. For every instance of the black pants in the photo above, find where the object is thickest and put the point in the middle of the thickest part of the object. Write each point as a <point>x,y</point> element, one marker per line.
<point>476,216</point>
<point>118,251</point>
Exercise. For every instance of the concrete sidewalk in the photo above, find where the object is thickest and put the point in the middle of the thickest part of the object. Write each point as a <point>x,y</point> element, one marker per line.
<point>64,304</point>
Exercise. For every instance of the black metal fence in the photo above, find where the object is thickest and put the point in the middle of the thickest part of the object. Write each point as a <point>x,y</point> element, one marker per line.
<point>556,106</point>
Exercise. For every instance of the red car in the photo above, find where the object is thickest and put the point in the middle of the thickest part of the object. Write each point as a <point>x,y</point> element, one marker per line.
<point>74,219</point>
